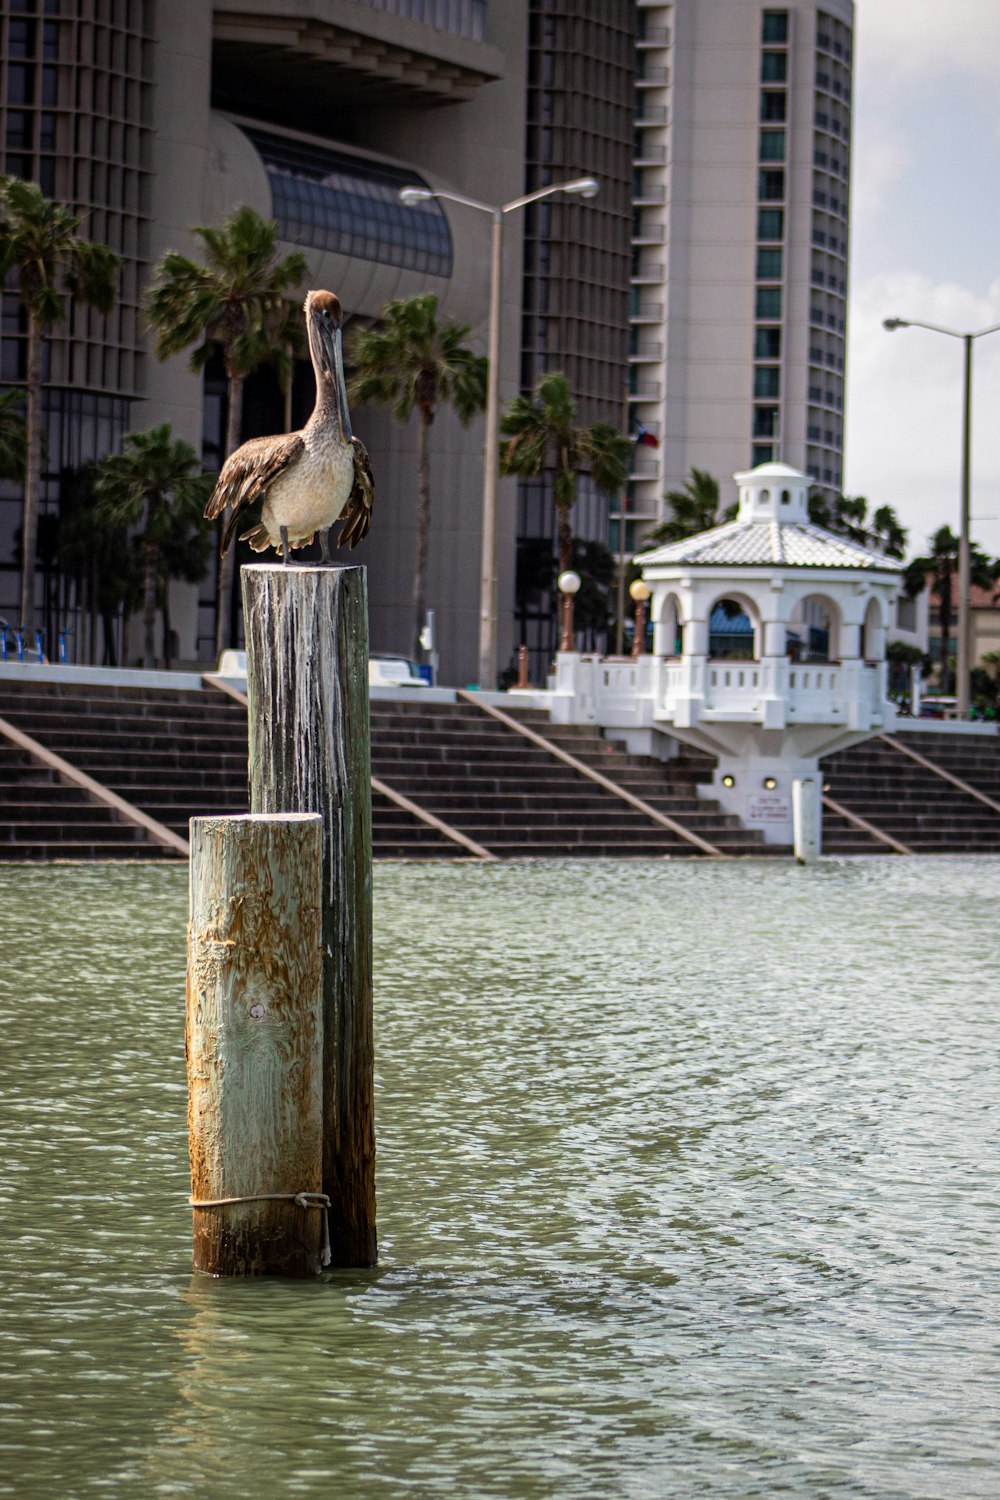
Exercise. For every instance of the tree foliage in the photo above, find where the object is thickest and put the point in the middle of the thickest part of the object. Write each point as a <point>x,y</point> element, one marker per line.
<point>409,361</point>
<point>693,509</point>
<point>157,484</point>
<point>939,568</point>
<point>44,257</point>
<point>13,436</point>
<point>542,433</point>
<point>236,299</point>
<point>849,516</point>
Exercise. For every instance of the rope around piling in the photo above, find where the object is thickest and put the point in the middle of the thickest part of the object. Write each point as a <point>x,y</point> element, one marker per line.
<point>303,1200</point>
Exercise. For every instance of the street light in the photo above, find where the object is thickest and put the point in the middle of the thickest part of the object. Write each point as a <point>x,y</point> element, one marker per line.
<point>583,187</point>
<point>963,665</point>
<point>640,591</point>
<point>568,584</point>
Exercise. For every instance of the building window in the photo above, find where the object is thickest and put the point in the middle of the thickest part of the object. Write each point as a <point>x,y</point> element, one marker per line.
<point>774,67</point>
<point>766,380</point>
<point>768,302</point>
<point>767,343</point>
<point>772,145</point>
<point>774,106</point>
<point>769,264</point>
<point>761,453</point>
<point>765,421</point>
<point>775,27</point>
<point>333,201</point>
<point>771,184</point>
<point>770,223</point>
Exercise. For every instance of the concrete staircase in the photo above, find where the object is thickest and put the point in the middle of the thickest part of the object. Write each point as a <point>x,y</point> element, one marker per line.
<point>43,818</point>
<point>171,754</point>
<point>518,801</point>
<point>668,786</point>
<point>913,804</point>
<point>175,755</point>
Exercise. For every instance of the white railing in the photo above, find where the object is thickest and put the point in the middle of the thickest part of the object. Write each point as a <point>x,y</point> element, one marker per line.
<point>623,691</point>
<point>733,686</point>
<point>816,692</point>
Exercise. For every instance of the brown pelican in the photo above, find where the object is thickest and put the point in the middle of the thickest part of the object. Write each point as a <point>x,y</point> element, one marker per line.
<point>308,479</point>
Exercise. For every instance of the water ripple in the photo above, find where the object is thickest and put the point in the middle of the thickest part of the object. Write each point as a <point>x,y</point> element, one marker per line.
<point>687,1187</point>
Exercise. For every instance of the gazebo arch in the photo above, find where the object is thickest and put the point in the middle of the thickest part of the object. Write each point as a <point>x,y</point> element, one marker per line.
<point>814,629</point>
<point>670,627</point>
<point>873,632</point>
<point>733,628</point>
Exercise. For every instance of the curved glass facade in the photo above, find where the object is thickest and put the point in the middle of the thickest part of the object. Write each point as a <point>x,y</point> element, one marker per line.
<point>330,200</point>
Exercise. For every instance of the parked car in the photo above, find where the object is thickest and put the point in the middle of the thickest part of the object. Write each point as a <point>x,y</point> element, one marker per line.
<point>938,708</point>
<point>395,671</point>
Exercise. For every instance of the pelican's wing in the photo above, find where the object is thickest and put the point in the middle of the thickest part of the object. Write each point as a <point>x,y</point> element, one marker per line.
<point>247,473</point>
<point>357,513</point>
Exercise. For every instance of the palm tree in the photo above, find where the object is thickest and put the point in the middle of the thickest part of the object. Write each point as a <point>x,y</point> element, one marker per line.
<point>237,300</point>
<point>693,509</point>
<point>409,360</point>
<point>541,428</point>
<point>39,244</point>
<point>939,568</point>
<point>97,557</point>
<point>848,516</point>
<point>158,483</point>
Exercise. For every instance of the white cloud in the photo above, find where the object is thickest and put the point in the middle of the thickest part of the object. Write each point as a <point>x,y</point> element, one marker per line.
<point>907,37</point>
<point>884,159</point>
<point>904,418</point>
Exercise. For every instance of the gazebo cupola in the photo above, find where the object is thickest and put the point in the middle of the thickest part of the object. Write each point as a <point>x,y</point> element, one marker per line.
<point>773,492</point>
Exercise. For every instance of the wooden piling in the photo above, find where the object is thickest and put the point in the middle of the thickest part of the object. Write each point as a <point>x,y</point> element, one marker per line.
<point>254,1045</point>
<point>310,751</point>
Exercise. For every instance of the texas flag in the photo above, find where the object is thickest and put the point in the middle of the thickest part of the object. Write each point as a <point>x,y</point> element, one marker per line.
<point>646,439</point>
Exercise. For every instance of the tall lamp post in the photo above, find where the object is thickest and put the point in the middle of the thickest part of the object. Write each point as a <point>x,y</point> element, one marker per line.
<point>963,665</point>
<point>583,187</point>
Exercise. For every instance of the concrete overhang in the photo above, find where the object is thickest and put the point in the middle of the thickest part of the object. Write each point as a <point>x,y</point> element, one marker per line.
<point>345,49</point>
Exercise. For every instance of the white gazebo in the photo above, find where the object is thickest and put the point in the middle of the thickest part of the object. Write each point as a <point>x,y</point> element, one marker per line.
<point>768,651</point>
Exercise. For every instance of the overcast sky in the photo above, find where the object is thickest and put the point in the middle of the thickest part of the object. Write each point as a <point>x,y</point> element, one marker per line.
<point>925,245</point>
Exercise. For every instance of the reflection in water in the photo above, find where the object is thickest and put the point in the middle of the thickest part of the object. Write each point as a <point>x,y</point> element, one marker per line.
<point>686,1187</point>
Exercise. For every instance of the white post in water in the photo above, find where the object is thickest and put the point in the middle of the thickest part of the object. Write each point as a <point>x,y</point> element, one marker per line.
<point>310,751</point>
<point>806,820</point>
<point>253,1039</point>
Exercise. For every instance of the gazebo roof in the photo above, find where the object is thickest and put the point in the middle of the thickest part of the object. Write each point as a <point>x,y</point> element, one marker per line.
<point>769,543</point>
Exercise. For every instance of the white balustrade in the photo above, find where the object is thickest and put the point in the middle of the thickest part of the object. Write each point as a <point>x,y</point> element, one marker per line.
<point>617,692</point>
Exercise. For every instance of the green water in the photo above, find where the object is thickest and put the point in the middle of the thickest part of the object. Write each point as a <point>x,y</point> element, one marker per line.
<point>687,1187</point>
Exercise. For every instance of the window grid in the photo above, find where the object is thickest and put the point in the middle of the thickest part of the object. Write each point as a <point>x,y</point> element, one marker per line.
<point>330,200</point>
<point>75,117</point>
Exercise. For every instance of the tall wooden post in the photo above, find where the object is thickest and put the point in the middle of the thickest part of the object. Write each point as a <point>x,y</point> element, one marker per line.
<point>307,683</point>
<point>253,1037</point>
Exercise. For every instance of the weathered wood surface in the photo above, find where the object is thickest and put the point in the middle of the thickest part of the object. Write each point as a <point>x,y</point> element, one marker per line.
<point>310,751</point>
<point>253,1037</point>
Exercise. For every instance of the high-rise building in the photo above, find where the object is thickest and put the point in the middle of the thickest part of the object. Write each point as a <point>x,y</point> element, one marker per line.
<point>152,116</point>
<point>581,61</point>
<point>739,243</point>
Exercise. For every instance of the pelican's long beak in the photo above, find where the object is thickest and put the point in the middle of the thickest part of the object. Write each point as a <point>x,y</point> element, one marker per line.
<point>340,385</point>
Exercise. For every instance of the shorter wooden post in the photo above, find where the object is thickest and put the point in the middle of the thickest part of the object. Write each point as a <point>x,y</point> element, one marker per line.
<point>522,666</point>
<point>254,1038</point>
